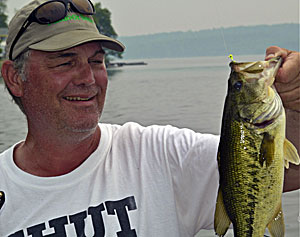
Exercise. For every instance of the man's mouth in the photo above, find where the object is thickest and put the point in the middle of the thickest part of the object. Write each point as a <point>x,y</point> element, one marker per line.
<point>77,98</point>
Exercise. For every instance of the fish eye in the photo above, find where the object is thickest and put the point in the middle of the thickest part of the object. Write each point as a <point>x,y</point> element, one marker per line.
<point>238,85</point>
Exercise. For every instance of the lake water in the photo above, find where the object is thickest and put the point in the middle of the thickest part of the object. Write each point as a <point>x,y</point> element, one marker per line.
<point>184,92</point>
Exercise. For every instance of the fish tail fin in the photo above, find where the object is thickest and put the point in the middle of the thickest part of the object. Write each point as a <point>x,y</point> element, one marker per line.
<point>276,226</point>
<point>222,221</point>
<point>290,154</point>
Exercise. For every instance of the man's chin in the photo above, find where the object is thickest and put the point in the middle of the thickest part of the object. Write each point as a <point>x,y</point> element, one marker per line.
<point>83,128</point>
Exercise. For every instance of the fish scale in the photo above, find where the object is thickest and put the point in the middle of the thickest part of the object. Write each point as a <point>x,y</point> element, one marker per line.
<point>251,154</point>
<point>245,196</point>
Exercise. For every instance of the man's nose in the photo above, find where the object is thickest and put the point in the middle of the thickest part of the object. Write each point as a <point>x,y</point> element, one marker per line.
<point>85,75</point>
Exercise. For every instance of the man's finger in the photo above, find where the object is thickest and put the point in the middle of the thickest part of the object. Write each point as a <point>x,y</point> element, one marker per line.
<point>290,68</point>
<point>292,105</point>
<point>275,51</point>
<point>290,96</point>
<point>285,87</point>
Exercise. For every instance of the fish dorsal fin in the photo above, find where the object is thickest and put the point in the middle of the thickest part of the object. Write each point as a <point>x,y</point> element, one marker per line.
<point>290,154</point>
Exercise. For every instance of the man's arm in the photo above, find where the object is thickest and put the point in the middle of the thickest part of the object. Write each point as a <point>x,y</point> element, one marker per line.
<point>288,86</point>
<point>292,175</point>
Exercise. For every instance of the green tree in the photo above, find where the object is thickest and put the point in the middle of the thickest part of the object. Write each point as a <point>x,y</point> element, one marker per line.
<point>3,16</point>
<point>103,21</point>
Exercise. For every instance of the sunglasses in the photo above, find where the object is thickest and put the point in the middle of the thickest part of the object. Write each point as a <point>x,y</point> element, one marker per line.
<point>52,11</point>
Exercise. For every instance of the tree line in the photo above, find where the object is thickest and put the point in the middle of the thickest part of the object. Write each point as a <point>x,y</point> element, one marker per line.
<point>102,19</point>
<point>3,16</point>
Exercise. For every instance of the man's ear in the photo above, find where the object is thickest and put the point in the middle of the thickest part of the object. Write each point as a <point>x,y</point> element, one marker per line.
<point>12,78</point>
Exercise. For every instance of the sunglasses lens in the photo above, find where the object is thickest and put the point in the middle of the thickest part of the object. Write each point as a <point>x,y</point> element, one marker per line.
<point>83,6</point>
<point>50,12</point>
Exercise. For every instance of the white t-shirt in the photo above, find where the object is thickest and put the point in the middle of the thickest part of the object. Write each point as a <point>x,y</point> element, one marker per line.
<point>140,181</point>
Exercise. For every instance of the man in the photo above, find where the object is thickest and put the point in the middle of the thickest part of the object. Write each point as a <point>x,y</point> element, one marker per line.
<point>74,177</point>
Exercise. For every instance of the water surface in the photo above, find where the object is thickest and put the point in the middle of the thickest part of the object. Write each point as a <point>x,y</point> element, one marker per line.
<point>184,92</point>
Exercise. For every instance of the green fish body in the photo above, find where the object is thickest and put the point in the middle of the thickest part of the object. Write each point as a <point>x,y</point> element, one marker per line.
<point>252,153</point>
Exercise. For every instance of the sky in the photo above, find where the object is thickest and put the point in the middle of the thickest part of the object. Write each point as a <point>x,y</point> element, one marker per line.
<point>140,17</point>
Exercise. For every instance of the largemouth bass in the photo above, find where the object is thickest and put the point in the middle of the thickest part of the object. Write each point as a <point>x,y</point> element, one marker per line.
<point>252,153</point>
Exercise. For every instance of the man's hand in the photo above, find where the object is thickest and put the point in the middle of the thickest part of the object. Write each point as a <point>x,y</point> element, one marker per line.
<point>287,84</point>
<point>287,81</point>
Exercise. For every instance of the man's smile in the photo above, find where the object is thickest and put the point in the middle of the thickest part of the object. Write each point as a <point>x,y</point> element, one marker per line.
<point>78,98</point>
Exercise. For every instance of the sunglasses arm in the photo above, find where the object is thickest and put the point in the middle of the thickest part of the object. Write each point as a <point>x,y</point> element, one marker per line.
<point>21,31</point>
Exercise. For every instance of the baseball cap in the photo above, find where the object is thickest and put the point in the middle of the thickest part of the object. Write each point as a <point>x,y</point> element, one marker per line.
<point>68,32</point>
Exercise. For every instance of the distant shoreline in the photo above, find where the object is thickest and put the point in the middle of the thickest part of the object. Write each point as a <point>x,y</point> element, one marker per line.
<point>121,64</point>
<point>241,40</point>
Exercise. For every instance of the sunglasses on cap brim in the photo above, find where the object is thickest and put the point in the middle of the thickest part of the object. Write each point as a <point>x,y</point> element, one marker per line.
<point>53,11</point>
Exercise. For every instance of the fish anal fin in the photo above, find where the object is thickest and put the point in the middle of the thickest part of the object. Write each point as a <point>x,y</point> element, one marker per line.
<point>222,221</point>
<point>276,226</point>
<point>267,150</point>
<point>290,154</point>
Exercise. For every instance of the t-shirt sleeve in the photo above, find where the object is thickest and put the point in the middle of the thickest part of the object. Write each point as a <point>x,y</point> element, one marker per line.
<point>192,158</point>
<point>189,163</point>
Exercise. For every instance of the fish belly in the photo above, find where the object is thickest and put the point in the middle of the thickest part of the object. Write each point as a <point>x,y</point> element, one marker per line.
<point>250,186</point>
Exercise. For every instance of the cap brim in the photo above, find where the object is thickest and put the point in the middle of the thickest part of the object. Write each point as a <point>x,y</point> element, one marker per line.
<point>73,38</point>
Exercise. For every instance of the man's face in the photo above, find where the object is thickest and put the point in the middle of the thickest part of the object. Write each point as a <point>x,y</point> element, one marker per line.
<point>65,90</point>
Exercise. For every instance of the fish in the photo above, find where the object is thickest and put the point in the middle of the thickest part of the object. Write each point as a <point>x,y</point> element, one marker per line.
<point>253,152</point>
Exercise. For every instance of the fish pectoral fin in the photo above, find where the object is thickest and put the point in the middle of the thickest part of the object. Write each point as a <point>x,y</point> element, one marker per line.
<point>222,221</point>
<point>276,226</point>
<point>267,150</point>
<point>290,154</point>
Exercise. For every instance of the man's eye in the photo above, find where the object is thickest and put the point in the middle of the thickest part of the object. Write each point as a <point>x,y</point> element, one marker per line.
<point>97,61</point>
<point>64,64</point>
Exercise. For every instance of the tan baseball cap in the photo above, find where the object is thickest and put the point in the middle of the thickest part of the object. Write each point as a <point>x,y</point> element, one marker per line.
<point>71,31</point>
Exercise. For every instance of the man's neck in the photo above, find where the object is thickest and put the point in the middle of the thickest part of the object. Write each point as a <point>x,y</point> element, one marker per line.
<point>46,157</point>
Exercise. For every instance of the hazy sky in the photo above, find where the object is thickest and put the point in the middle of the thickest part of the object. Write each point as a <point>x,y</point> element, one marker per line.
<point>137,17</point>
